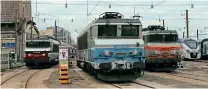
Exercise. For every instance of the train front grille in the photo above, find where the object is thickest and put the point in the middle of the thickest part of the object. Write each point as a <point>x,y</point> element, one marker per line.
<point>193,55</point>
<point>120,54</point>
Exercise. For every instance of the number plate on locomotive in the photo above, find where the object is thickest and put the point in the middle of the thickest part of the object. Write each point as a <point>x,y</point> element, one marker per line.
<point>120,46</point>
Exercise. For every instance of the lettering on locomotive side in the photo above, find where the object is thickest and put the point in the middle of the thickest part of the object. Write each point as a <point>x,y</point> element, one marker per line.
<point>120,46</point>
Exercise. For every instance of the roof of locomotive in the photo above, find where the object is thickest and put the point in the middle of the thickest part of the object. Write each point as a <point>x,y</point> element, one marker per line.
<point>110,20</point>
<point>187,39</point>
<point>123,20</point>
<point>42,38</point>
<point>160,32</point>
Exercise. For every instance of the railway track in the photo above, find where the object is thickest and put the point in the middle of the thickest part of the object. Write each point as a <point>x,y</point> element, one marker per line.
<point>187,77</point>
<point>178,72</point>
<point>27,82</point>
<point>13,76</point>
<point>31,72</point>
<point>205,61</point>
<point>132,84</point>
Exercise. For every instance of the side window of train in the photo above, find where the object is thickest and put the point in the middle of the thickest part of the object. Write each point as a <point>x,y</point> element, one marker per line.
<point>90,31</point>
<point>55,48</point>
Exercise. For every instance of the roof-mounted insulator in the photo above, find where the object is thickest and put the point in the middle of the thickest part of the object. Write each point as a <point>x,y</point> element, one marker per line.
<point>111,15</point>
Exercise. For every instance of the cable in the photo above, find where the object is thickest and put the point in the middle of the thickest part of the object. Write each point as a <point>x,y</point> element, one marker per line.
<point>95,6</point>
<point>117,4</point>
<point>200,10</point>
<point>153,7</point>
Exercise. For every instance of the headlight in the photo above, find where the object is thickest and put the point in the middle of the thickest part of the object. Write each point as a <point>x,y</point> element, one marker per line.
<point>107,53</point>
<point>29,54</point>
<point>152,52</point>
<point>135,52</point>
<point>187,51</point>
<point>157,52</point>
<point>173,52</point>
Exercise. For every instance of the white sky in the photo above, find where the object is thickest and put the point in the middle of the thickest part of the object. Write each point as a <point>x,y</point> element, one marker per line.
<point>172,11</point>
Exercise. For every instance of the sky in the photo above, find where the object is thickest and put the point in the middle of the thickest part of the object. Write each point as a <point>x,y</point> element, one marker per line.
<point>74,18</point>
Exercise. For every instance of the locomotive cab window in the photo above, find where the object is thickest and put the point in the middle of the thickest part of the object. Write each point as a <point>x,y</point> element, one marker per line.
<point>37,44</point>
<point>107,30</point>
<point>154,38</point>
<point>162,38</point>
<point>171,38</point>
<point>130,30</point>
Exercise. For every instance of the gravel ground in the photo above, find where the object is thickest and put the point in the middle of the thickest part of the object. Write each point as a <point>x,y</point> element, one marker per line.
<point>80,79</point>
<point>37,81</point>
<point>18,81</point>
<point>77,81</point>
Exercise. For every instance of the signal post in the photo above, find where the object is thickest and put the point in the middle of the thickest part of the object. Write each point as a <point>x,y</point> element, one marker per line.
<point>63,65</point>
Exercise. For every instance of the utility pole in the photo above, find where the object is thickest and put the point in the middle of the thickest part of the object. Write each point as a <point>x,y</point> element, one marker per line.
<point>16,36</point>
<point>62,34</point>
<point>163,23</point>
<point>197,34</point>
<point>87,11</point>
<point>31,27</point>
<point>187,26</point>
<point>183,34</point>
<point>134,11</point>
<point>70,38</point>
<point>55,30</point>
<point>22,31</point>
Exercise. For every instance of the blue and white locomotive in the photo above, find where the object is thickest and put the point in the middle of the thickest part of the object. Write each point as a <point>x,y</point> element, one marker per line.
<point>111,48</point>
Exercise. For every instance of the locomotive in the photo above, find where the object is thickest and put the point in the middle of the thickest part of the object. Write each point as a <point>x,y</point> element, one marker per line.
<point>190,49</point>
<point>162,50</point>
<point>111,48</point>
<point>41,50</point>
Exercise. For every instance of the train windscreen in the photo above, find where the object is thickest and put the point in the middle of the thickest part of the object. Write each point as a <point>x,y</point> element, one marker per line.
<point>130,30</point>
<point>37,44</point>
<point>191,44</point>
<point>162,38</point>
<point>107,30</point>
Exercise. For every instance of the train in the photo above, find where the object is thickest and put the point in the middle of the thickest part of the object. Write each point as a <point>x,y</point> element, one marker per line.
<point>162,50</point>
<point>190,49</point>
<point>111,48</point>
<point>44,50</point>
<point>41,50</point>
<point>203,44</point>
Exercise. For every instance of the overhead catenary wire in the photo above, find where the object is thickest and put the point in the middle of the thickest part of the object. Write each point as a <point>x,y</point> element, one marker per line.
<point>104,4</point>
<point>153,6</point>
<point>95,6</point>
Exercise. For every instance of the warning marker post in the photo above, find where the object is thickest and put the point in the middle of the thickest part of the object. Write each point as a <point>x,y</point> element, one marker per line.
<point>63,65</point>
